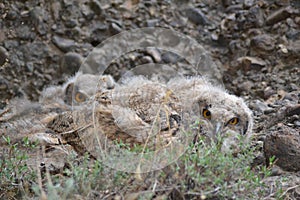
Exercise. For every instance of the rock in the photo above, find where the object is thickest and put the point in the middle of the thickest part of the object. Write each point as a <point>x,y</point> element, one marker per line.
<point>3,55</point>
<point>12,15</point>
<point>279,15</point>
<point>292,110</point>
<point>145,60</point>
<point>71,23</point>
<point>152,22</point>
<point>63,44</point>
<point>246,86</point>
<point>3,84</point>
<point>283,113</point>
<point>284,144</point>
<point>99,33</point>
<point>154,53</point>
<point>255,17</point>
<point>247,63</point>
<point>248,3</point>
<point>297,20</point>
<point>25,33</point>
<point>38,16</point>
<point>96,7</point>
<point>263,42</point>
<point>71,63</point>
<point>196,16</point>
<point>234,8</point>
<point>5,92</point>
<point>268,92</point>
<point>170,57</point>
<point>114,28</point>
<point>259,106</point>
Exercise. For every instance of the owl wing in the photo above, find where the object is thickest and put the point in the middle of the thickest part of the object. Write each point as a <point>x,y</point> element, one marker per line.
<point>145,109</point>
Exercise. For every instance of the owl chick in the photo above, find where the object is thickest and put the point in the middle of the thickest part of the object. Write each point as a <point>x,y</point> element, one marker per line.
<point>26,117</point>
<point>140,111</point>
<point>76,90</point>
<point>218,113</point>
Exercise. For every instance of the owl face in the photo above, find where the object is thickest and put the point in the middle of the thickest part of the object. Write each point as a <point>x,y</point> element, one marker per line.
<point>80,88</point>
<point>224,116</point>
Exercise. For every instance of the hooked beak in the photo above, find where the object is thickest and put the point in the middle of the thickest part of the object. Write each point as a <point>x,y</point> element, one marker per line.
<point>217,128</point>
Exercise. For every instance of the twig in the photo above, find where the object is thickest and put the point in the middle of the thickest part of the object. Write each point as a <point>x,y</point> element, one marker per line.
<point>284,193</point>
<point>3,113</point>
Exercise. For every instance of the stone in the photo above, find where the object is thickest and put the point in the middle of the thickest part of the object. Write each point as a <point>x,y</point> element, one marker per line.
<point>284,144</point>
<point>279,15</point>
<point>196,16</point>
<point>263,42</point>
<point>71,63</point>
<point>63,44</point>
<point>96,7</point>
<point>3,55</point>
<point>154,53</point>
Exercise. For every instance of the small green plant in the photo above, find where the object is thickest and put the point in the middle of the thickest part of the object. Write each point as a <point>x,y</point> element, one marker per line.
<point>222,175</point>
<point>15,174</point>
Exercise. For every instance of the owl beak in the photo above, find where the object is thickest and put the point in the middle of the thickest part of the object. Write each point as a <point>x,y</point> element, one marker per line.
<point>217,128</point>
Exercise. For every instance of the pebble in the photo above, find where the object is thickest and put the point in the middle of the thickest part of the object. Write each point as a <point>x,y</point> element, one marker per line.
<point>71,63</point>
<point>249,63</point>
<point>98,34</point>
<point>152,22</point>
<point>248,3</point>
<point>71,23</point>
<point>260,106</point>
<point>3,55</point>
<point>268,92</point>
<point>38,16</point>
<point>145,60</point>
<point>263,42</point>
<point>114,28</point>
<point>170,57</point>
<point>279,15</point>
<point>63,44</point>
<point>11,15</point>
<point>196,16</point>
<point>96,7</point>
<point>154,53</point>
<point>3,84</point>
<point>297,123</point>
<point>25,33</point>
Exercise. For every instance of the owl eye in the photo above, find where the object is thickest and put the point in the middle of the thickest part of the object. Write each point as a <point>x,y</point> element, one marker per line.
<point>80,97</point>
<point>206,113</point>
<point>234,121</point>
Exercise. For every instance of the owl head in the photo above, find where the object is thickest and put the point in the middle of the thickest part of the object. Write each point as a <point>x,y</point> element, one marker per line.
<point>219,114</point>
<point>77,90</point>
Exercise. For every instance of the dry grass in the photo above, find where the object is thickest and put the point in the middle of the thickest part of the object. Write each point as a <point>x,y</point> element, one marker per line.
<point>203,172</point>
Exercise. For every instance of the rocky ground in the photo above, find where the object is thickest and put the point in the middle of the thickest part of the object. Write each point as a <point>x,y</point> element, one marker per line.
<point>256,45</point>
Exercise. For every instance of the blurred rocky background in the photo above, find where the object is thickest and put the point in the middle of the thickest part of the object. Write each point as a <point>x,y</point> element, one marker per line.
<point>256,44</point>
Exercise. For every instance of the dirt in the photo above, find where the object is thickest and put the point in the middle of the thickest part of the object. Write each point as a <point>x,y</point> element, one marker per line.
<point>255,43</point>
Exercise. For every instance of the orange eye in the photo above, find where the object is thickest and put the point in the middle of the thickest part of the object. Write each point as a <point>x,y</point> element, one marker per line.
<point>206,113</point>
<point>234,121</point>
<point>79,97</point>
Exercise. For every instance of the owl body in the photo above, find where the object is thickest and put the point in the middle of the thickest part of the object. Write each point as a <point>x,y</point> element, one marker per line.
<point>142,111</point>
<point>26,118</point>
<point>90,110</point>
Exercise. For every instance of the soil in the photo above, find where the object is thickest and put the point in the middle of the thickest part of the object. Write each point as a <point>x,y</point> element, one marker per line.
<point>255,43</point>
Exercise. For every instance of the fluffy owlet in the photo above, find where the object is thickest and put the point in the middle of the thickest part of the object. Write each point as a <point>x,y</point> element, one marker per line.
<point>140,111</point>
<point>24,117</point>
